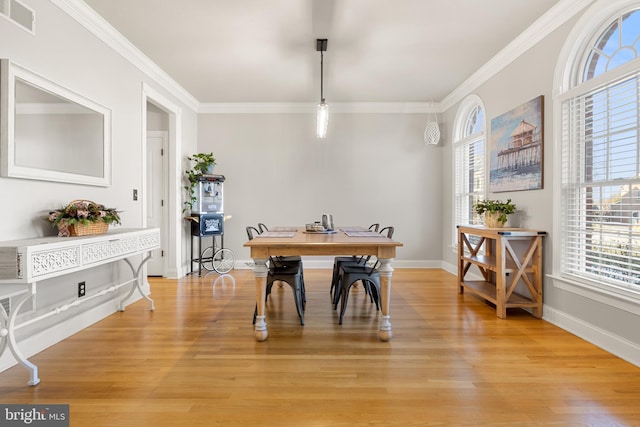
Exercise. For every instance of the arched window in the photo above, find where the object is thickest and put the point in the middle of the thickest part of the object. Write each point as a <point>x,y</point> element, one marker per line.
<point>469,160</point>
<point>618,44</point>
<point>600,160</point>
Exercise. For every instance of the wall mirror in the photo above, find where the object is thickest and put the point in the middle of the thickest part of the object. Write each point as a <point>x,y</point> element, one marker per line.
<point>51,133</point>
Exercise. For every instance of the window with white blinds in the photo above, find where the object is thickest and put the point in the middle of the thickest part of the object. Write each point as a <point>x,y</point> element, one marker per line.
<point>469,165</point>
<point>601,183</point>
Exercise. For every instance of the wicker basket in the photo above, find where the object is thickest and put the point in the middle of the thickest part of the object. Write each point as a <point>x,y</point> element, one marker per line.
<point>491,220</point>
<point>92,228</point>
<point>95,219</point>
<point>79,229</point>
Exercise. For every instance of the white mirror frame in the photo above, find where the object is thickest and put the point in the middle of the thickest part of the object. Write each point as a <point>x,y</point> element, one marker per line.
<point>9,71</point>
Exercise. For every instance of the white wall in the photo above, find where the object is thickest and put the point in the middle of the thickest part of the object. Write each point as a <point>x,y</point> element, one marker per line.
<point>604,321</point>
<point>371,168</point>
<point>526,78</point>
<point>66,53</point>
<point>156,118</point>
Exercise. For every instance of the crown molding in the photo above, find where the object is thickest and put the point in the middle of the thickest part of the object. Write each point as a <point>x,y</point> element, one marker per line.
<point>309,107</point>
<point>547,23</point>
<point>98,26</point>
<point>550,21</point>
<point>256,108</point>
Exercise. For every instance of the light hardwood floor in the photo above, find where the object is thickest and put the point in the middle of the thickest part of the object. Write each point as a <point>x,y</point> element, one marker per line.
<point>451,362</point>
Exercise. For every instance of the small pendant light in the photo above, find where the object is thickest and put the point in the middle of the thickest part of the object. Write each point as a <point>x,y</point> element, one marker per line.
<point>323,108</point>
<point>432,130</point>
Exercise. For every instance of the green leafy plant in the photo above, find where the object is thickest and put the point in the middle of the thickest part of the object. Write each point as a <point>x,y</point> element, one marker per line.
<point>200,165</point>
<point>495,206</point>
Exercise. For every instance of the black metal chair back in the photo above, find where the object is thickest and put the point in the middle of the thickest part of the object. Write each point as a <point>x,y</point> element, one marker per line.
<point>252,232</point>
<point>389,230</point>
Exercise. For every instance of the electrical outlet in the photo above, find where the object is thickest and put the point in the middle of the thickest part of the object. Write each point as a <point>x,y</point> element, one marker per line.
<point>82,289</point>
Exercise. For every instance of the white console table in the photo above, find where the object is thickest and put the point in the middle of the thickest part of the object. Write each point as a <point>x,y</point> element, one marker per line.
<point>23,263</point>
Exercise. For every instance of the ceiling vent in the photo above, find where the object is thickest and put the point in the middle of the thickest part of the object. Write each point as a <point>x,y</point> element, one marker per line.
<point>18,13</point>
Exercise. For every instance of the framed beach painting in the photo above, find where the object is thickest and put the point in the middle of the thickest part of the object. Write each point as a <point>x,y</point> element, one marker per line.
<point>517,148</point>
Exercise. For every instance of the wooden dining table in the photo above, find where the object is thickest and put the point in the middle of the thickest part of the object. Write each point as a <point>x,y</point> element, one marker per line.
<point>282,241</point>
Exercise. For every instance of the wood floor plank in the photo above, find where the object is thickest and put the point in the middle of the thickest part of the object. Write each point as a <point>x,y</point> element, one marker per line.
<point>194,362</point>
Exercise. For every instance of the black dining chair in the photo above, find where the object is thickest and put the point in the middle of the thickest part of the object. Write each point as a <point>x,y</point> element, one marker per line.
<point>337,261</point>
<point>280,270</point>
<point>353,272</point>
<point>252,232</point>
<point>289,258</point>
<point>388,231</point>
<point>291,275</point>
<point>275,261</point>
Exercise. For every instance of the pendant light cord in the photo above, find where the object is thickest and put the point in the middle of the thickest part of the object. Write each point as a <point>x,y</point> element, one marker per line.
<point>322,77</point>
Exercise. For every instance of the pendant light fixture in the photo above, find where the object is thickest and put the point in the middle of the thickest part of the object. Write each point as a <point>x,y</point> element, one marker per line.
<point>432,130</point>
<point>323,109</point>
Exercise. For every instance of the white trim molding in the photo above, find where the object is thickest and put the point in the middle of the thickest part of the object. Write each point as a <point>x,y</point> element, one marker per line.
<point>547,23</point>
<point>606,340</point>
<point>622,299</point>
<point>99,27</point>
<point>174,266</point>
<point>310,108</point>
<point>34,344</point>
<point>550,21</point>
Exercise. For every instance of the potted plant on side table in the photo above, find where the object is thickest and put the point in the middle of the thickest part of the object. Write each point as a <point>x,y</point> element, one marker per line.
<point>495,212</point>
<point>201,164</point>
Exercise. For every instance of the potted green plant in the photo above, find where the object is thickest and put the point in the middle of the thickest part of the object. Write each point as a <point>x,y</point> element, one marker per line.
<point>201,164</point>
<point>495,211</point>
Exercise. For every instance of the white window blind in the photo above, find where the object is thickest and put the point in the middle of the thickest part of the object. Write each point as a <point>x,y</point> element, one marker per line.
<point>601,184</point>
<point>470,175</point>
<point>468,163</point>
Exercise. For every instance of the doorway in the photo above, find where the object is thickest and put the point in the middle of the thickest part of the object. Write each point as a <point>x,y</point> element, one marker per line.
<point>156,196</point>
<point>161,188</point>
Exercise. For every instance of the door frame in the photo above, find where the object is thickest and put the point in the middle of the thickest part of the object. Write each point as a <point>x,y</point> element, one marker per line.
<point>173,246</point>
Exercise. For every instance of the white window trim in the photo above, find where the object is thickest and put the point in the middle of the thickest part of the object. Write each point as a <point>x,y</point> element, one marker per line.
<point>571,60</point>
<point>568,74</point>
<point>624,299</point>
<point>466,106</point>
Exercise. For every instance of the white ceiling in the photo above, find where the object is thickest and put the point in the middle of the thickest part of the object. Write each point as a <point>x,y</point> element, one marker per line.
<point>249,51</point>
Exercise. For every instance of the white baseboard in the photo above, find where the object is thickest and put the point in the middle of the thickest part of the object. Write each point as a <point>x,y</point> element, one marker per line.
<point>450,268</point>
<point>602,338</point>
<point>57,332</point>
<point>175,273</point>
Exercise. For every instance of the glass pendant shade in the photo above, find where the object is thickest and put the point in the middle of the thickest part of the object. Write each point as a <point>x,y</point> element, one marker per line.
<point>322,120</point>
